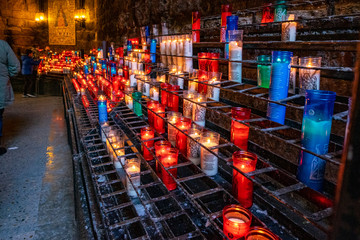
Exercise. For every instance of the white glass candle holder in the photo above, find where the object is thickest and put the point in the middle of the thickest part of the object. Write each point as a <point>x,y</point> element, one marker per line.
<point>180,51</point>
<point>128,97</point>
<point>146,88</point>
<point>188,52</point>
<point>172,118</point>
<point>235,54</point>
<point>309,78</point>
<point>193,147</point>
<point>168,50</point>
<point>174,49</point>
<point>188,105</point>
<point>288,29</point>
<point>209,162</point>
<point>163,51</point>
<point>213,91</point>
<point>199,110</point>
<point>292,79</point>
<point>132,168</point>
<point>154,93</point>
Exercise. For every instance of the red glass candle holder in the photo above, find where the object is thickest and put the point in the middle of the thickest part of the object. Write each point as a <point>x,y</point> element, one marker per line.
<point>225,12</point>
<point>239,133</point>
<point>236,221</point>
<point>213,65</point>
<point>172,119</point>
<point>164,93</point>
<point>196,26</point>
<point>243,187</point>
<point>159,123</point>
<point>173,98</point>
<point>147,133</point>
<point>203,78</point>
<point>183,124</point>
<point>151,105</point>
<point>257,233</point>
<point>170,158</point>
<point>203,60</point>
<point>161,147</point>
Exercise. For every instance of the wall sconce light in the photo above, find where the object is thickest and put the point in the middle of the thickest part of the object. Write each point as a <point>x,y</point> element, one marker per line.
<point>80,16</point>
<point>39,17</point>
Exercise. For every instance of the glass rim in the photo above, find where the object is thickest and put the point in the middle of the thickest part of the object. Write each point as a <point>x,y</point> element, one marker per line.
<point>162,143</point>
<point>262,231</point>
<point>237,208</point>
<point>148,129</point>
<point>330,95</point>
<point>241,153</point>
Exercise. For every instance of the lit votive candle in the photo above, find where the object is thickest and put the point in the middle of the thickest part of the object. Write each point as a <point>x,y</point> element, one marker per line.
<point>154,93</point>
<point>243,187</point>
<point>209,162</point>
<point>213,92</point>
<point>183,125</point>
<point>132,168</point>
<point>164,93</point>
<point>172,119</point>
<point>161,147</point>
<point>199,110</point>
<point>173,98</point>
<point>288,29</point>
<point>128,97</point>
<point>147,133</point>
<point>236,221</point>
<point>168,159</point>
<point>309,78</point>
<point>102,108</point>
<point>193,147</point>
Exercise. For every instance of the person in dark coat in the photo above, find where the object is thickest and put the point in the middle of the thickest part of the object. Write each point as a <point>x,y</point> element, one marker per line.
<point>9,67</point>
<point>27,71</point>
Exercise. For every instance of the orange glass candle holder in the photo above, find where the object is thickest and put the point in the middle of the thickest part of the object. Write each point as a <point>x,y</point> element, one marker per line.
<point>257,233</point>
<point>147,133</point>
<point>159,123</point>
<point>170,158</point>
<point>243,187</point>
<point>161,147</point>
<point>236,221</point>
<point>239,133</point>
<point>151,105</point>
<point>173,98</point>
<point>181,139</point>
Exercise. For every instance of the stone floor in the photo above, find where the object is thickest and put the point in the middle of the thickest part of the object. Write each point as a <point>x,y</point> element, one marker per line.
<point>36,187</point>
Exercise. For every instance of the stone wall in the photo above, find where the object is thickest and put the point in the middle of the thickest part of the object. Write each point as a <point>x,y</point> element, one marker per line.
<point>19,29</point>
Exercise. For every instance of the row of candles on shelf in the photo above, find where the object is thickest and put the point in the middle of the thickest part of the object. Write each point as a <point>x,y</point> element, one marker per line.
<point>280,74</point>
<point>236,218</point>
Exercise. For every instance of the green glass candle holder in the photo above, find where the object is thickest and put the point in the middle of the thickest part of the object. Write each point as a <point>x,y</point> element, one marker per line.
<point>137,103</point>
<point>264,70</point>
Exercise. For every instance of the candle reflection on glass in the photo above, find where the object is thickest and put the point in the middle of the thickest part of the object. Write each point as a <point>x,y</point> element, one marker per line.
<point>236,221</point>
<point>209,162</point>
<point>239,132</point>
<point>213,92</point>
<point>243,187</point>
<point>193,147</point>
<point>147,133</point>
<point>132,168</point>
<point>309,78</point>
<point>161,147</point>
<point>199,110</point>
<point>181,139</point>
<point>159,123</point>
<point>172,118</point>
<point>151,105</point>
<point>188,105</point>
<point>168,159</point>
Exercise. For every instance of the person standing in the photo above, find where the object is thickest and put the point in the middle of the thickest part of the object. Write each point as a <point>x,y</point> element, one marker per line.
<point>27,71</point>
<point>9,67</point>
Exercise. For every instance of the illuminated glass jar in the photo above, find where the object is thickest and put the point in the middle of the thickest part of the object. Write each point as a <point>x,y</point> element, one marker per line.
<point>239,133</point>
<point>137,96</point>
<point>225,12</point>
<point>260,233</point>
<point>196,26</point>
<point>309,78</point>
<point>243,187</point>
<point>209,162</point>
<point>263,70</point>
<point>146,134</point>
<point>168,159</point>
<point>315,136</point>
<point>236,221</point>
<point>183,124</point>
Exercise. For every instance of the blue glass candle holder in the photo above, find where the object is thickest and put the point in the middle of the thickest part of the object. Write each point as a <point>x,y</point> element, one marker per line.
<point>147,34</point>
<point>231,24</point>
<point>86,69</point>
<point>103,65</point>
<point>279,84</point>
<point>94,68</point>
<point>102,109</point>
<point>113,69</point>
<point>315,136</point>
<point>153,51</point>
<point>129,46</point>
